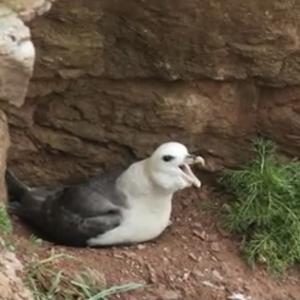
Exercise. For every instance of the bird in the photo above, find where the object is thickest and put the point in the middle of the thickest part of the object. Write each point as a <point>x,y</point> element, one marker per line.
<point>112,208</point>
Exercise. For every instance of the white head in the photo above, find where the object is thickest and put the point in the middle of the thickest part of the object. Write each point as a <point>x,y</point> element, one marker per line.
<point>169,167</point>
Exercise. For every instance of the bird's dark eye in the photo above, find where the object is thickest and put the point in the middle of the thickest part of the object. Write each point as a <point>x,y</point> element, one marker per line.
<point>168,157</point>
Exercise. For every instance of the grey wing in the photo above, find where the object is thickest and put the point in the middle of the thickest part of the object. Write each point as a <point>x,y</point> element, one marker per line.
<point>94,226</point>
<point>94,207</point>
<point>97,196</point>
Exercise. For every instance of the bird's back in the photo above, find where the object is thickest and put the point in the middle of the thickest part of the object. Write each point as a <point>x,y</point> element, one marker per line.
<point>70,215</point>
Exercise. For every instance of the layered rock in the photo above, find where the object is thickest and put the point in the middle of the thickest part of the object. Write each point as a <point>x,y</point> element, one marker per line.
<point>17,57</point>
<point>120,122</point>
<point>4,142</point>
<point>279,117</point>
<point>28,9</point>
<point>113,80</point>
<point>17,53</point>
<point>11,286</point>
<point>171,40</point>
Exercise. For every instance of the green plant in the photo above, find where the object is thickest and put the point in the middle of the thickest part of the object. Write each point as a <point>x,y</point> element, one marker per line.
<point>266,208</point>
<point>48,281</point>
<point>6,229</point>
<point>5,224</point>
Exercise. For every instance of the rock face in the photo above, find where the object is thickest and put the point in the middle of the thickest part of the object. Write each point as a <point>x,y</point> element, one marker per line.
<point>279,117</point>
<point>11,286</point>
<point>112,81</point>
<point>172,40</point>
<point>118,122</point>
<point>16,66</point>
<point>4,142</point>
<point>28,9</point>
<point>16,57</point>
<point>17,53</point>
<point>13,78</point>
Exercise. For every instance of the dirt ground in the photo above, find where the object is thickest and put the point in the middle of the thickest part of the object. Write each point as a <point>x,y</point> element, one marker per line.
<point>193,259</point>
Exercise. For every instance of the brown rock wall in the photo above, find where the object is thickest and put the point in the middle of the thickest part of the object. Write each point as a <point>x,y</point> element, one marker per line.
<point>114,79</point>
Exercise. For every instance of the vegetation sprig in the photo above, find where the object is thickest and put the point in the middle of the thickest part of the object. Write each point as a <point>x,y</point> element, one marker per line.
<point>265,208</point>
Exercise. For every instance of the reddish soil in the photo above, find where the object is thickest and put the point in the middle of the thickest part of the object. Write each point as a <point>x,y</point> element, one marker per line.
<point>193,259</point>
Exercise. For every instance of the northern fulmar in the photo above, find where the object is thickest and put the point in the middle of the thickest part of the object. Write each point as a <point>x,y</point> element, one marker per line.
<point>110,209</point>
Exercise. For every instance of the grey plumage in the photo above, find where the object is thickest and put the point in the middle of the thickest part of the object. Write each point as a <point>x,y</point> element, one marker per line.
<point>131,206</point>
<point>69,214</point>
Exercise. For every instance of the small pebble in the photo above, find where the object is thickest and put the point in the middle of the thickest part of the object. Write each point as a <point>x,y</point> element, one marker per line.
<point>193,256</point>
<point>215,247</point>
<point>141,247</point>
<point>211,285</point>
<point>197,225</point>
<point>170,295</point>
<point>213,258</point>
<point>197,273</point>
<point>217,275</point>
<point>186,276</point>
<point>238,296</point>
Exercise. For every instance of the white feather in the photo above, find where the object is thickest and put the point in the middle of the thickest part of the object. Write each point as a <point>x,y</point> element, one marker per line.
<point>149,186</point>
<point>148,211</point>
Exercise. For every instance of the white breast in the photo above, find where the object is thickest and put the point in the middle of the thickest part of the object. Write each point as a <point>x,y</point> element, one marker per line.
<point>147,215</point>
<point>140,224</point>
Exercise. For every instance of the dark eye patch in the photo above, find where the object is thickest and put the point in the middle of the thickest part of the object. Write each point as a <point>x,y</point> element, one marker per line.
<point>168,157</point>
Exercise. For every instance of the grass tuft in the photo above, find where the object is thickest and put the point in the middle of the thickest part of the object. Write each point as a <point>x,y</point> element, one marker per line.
<point>5,224</point>
<point>265,208</point>
<point>48,281</point>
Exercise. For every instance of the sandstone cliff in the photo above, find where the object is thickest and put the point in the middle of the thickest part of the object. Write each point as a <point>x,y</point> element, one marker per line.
<point>113,80</point>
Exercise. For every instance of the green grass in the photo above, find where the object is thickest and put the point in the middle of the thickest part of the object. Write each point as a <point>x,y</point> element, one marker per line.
<point>265,208</point>
<point>48,281</point>
<point>5,228</point>
<point>5,224</point>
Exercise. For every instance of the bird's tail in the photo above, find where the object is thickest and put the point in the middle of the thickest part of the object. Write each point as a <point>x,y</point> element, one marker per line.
<point>15,188</point>
<point>20,200</point>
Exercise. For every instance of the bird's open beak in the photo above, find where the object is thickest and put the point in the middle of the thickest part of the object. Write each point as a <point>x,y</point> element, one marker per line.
<point>188,174</point>
<point>193,159</point>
